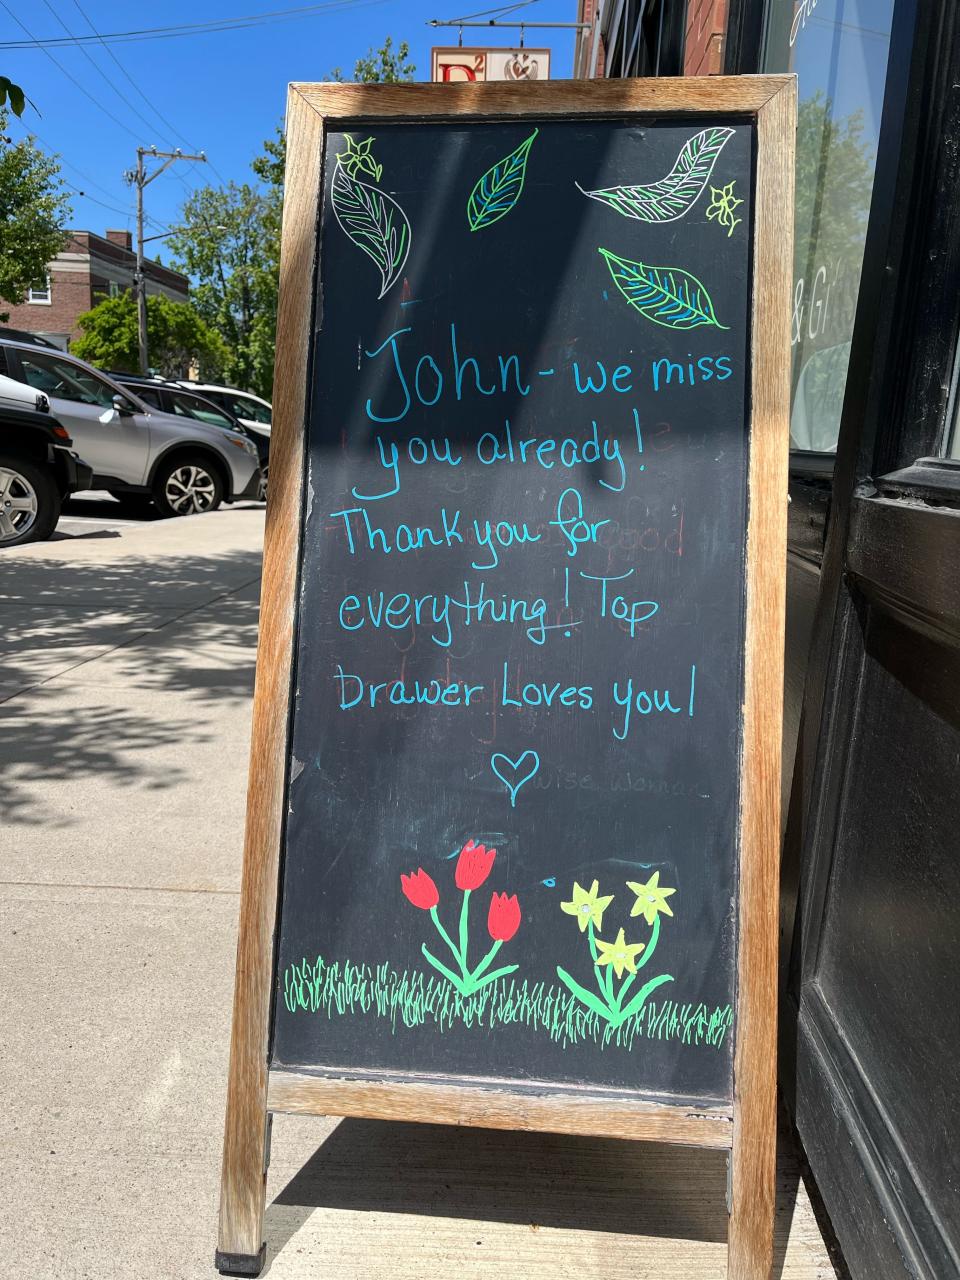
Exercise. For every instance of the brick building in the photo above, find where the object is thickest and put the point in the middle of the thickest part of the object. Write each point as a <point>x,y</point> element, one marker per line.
<point>88,269</point>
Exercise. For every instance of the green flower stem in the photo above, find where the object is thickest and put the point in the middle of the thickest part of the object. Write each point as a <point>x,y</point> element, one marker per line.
<point>448,940</point>
<point>442,968</point>
<point>486,961</point>
<point>604,980</point>
<point>583,995</point>
<point>464,929</point>
<point>651,946</point>
<point>491,977</point>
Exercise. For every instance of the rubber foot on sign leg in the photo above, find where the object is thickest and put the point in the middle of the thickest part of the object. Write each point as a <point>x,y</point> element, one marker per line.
<point>241,1264</point>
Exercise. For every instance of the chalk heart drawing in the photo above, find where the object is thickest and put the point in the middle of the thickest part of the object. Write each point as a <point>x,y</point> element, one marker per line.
<point>677,193</point>
<point>515,774</point>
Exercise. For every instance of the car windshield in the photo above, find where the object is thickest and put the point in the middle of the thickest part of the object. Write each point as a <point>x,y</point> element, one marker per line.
<point>65,380</point>
<point>252,409</point>
<point>193,407</point>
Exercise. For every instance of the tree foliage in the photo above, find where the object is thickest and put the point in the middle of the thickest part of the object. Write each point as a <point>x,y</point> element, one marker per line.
<point>177,337</point>
<point>385,66</point>
<point>33,213</point>
<point>229,244</point>
<point>223,246</point>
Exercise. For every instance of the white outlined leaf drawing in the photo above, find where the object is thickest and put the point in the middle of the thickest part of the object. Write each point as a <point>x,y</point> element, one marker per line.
<point>669,296</point>
<point>674,195</point>
<point>499,189</point>
<point>374,222</point>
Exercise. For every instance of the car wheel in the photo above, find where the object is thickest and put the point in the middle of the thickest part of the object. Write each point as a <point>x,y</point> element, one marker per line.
<point>29,503</point>
<point>262,486</point>
<point>187,487</point>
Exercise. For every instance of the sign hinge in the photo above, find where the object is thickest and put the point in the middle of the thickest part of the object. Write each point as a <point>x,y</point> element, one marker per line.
<point>268,1133</point>
<point>729,1183</point>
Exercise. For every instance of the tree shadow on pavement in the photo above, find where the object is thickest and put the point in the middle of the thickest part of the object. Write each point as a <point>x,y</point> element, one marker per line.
<point>104,664</point>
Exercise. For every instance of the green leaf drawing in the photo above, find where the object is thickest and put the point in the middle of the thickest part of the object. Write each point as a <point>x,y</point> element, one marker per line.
<point>674,195</point>
<point>374,222</point>
<point>668,296</point>
<point>499,189</point>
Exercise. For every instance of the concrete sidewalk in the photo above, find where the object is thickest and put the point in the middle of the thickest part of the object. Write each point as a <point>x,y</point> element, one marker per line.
<point>126,669</point>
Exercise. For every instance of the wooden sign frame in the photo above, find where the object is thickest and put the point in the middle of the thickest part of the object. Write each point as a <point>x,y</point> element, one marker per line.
<point>747,1128</point>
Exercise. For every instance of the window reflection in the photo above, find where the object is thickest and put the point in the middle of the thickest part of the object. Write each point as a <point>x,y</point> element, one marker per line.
<point>838,49</point>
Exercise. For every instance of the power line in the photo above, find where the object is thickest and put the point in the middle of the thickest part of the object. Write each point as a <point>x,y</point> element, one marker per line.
<point>123,98</point>
<point>59,65</point>
<point>188,29</point>
<point>174,132</point>
<point>126,213</point>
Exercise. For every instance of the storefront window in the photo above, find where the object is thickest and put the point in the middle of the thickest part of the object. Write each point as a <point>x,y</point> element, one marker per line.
<point>838,49</point>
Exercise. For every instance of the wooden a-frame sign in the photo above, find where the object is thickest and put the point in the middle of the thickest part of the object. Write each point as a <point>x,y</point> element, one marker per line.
<point>531,339</point>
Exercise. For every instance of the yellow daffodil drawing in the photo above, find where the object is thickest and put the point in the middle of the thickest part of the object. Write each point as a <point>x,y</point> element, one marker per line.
<point>619,957</point>
<point>620,953</point>
<point>587,906</point>
<point>651,898</point>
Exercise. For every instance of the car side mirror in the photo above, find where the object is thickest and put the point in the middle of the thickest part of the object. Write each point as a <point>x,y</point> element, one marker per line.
<point>122,406</point>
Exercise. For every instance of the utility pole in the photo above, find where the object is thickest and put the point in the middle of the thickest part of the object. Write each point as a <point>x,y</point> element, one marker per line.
<point>142,179</point>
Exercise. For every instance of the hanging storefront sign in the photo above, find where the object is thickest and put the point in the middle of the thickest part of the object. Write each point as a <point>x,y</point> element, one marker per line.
<point>453,64</point>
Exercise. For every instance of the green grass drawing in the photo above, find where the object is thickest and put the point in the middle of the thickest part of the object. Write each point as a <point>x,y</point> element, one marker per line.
<point>414,999</point>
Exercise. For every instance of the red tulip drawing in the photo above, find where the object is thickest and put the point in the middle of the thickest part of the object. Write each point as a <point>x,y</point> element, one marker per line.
<point>474,864</point>
<point>503,919</point>
<point>420,890</point>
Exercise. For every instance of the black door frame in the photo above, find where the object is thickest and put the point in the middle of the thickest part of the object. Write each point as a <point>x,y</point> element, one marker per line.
<point>892,542</point>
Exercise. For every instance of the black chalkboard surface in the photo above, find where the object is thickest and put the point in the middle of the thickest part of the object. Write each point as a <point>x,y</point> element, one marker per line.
<point>513,817</point>
<point>521,607</point>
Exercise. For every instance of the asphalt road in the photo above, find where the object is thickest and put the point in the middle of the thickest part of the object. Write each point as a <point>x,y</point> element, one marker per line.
<point>127,654</point>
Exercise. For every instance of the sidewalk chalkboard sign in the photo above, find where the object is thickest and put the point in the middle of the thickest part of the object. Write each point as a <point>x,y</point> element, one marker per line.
<point>513,817</point>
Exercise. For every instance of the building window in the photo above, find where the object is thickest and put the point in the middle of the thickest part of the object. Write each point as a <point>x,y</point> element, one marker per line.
<point>839,50</point>
<point>40,292</point>
<point>114,289</point>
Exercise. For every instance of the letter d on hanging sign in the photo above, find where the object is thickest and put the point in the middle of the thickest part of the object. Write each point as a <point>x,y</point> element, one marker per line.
<point>536,817</point>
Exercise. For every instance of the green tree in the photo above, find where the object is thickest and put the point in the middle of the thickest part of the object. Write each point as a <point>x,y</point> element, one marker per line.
<point>381,67</point>
<point>33,212</point>
<point>222,246</point>
<point>177,337</point>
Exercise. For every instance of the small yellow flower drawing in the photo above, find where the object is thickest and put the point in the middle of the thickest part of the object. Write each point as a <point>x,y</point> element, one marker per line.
<point>651,898</point>
<point>588,907</point>
<point>722,205</point>
<point>620,953</point>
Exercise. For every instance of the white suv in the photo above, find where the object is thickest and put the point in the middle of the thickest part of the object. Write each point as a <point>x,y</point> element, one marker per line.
<point>255,413</point>
<point>184,465</point>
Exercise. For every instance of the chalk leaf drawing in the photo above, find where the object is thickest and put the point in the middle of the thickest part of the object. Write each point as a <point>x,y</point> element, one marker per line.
<point>613,960</point>
<point>515,774</point>
<point>369,217</point>
<point>499,189</point>
<point>676,194</point>
<point>723,204</point>
<point>669,296</point>
<point>503,918</point>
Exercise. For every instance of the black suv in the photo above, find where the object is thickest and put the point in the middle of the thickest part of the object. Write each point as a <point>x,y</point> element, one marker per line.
<point>38,469</point>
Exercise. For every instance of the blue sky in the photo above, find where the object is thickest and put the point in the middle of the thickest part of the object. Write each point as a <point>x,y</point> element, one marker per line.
<point>221,93</point>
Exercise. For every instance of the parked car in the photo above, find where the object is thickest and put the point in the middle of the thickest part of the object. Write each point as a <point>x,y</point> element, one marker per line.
<point>34,339</point>
<point>136,451</point>
<point>254,412</point>
<point>38,469</point>
<point>17,395</point>
<point>173,397</point>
